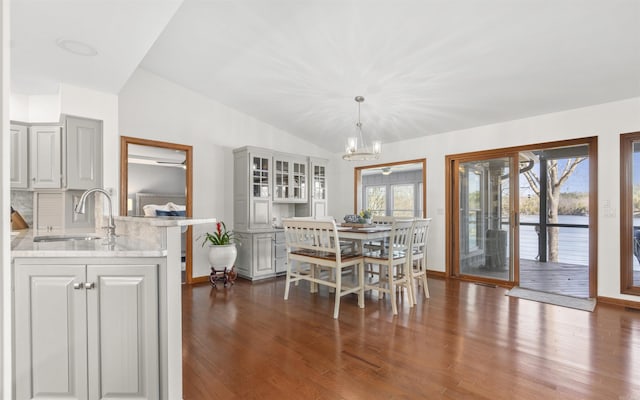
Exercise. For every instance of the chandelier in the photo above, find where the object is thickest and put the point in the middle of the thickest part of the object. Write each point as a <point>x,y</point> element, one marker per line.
<point>355,153</point>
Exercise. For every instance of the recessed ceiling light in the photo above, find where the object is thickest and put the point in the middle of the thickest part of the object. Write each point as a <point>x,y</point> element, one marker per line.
<point>77,48</point>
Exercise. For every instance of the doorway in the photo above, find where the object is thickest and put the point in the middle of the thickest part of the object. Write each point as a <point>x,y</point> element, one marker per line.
<point>155,173</point>
<point>397,189</point>
<point>525,216</point>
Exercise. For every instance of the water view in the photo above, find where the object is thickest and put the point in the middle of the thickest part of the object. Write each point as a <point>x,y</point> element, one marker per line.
<point>573,243</point>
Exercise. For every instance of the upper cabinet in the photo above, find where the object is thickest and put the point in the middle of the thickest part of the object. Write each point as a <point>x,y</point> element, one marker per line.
<point>45,157</point>
<point>83,153</point>
<point>290,179</point>
<point>252,171</point>
<point>57,157</point>
<point>316,207</point>
<point>318,187</point>
<point>19,157</point>
<point>263,177</point>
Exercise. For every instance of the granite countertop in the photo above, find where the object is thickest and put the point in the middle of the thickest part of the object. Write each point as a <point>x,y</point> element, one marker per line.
<point>22,245</point>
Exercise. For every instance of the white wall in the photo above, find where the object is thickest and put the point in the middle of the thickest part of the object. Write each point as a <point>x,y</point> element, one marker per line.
<point>89,103</point>
<point>151,107</point>
<point>606,121</point>
<point>35,108</point>
<point>155,179</point>
<point>5,240</point>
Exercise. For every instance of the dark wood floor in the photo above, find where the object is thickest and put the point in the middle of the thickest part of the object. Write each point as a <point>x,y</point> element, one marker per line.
<point>467,342</point>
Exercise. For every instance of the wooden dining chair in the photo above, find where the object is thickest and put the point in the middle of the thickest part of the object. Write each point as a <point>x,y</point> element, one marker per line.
<point>392,262</point>
<point>379,220</point>
<point>417,265</point>
<point>314,245</point>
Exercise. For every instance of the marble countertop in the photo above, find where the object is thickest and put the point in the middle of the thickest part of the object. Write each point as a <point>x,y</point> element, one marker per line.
<point>136,237</point>
<point>166,221</point>
<point>22,245</point>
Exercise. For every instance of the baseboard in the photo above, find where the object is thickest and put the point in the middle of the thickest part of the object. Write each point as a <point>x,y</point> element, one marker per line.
<point>618,302</point>
<point>436,274</point>
<point>200,279</point>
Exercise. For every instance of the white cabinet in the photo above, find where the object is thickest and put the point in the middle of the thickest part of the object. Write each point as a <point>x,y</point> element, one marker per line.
<point>290,179</point>
<point>55,157</point>
<point>252,189</point>
<point>19,157</point>
<point>318,187</point>
<point>86,331</point>
<point>262,254</point>
<point>280,253</point>
<point>317,205</point>
<point>45,160</point>
<point>255,255</point>
<point>83,155</point>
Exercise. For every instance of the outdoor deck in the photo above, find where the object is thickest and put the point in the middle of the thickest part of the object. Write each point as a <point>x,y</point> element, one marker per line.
<point>559,278</point>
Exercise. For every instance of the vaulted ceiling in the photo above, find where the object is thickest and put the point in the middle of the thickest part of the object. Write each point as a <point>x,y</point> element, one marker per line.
<point>423,66</point>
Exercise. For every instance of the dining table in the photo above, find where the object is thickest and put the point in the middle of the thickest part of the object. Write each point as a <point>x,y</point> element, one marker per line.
<point>367,232</point>
<point>363,234</point>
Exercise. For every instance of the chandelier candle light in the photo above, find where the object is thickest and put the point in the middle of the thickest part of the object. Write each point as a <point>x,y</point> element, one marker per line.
<point>353,153</point>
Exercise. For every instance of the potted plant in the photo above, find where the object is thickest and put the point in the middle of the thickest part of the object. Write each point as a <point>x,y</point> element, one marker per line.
<point>365,217</point>
<point>222,250</point>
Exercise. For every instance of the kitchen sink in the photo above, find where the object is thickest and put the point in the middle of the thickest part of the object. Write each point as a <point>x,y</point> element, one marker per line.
<point>64,238</point>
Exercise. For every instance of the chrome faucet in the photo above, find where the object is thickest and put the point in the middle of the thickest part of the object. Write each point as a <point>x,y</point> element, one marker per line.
<point>80,209</point>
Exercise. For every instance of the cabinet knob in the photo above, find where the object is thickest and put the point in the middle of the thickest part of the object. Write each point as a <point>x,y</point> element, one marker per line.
<point>78,286</point>
<point>89,285</point>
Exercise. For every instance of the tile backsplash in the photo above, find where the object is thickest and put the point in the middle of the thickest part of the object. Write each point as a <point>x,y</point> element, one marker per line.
<point>22,201</point>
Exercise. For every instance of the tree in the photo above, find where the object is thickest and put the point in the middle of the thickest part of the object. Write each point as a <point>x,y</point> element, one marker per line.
<point>555,180</point>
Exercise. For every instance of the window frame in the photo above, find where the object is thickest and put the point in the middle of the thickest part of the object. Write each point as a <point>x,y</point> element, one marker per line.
<point>358,188</point>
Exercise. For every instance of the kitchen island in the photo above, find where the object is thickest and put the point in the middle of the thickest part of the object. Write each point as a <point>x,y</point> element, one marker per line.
<point>98,318</point>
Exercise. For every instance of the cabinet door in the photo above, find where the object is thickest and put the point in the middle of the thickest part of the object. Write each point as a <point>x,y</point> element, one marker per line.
<point>83,153</point>
<point>299,181</point>
<point>123,331</point>
<point>319,209</point>
<point>260,207</point>
<point>44,157</point>
<point>263,254</point>
<point>19,157</point>
<point>243,262</point>
<point>50,332</point>
<point>319,182</point>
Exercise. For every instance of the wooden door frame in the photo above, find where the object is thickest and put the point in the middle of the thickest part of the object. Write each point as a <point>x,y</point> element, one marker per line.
<point>125,141</point>
<point>357,180</point>
<point>626,213</point>
<point>452,221</point>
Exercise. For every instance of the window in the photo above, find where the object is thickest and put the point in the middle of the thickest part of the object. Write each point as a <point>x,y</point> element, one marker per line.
<point>376,199</point>
<point>393,189</point>
<point>403,200</point>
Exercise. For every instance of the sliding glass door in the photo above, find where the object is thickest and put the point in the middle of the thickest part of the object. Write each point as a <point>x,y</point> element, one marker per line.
<point>630,213</point>
<point>485,218</point>
<point>554,224</point>
<point>525,216</point>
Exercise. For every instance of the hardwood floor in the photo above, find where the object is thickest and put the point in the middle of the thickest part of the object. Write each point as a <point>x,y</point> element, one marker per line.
<point>466,342</point>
